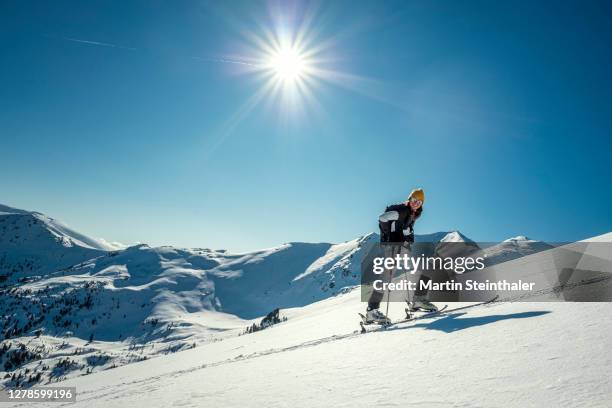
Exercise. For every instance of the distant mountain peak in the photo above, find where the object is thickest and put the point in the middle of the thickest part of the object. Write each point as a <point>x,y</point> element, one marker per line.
<point>57,230</point>
<point>455,236</point>
<point>518,238</point>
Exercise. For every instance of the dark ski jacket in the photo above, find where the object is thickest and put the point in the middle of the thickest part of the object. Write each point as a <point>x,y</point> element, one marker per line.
<point>396,223</point>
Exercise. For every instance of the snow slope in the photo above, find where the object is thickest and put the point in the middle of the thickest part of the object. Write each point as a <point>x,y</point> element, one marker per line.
<point>504,355</point>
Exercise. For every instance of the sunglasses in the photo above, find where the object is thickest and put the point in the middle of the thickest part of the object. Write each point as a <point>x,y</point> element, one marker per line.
<point>416,201</point>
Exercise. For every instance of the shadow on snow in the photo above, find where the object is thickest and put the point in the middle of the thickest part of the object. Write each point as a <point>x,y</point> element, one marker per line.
<point>453,322</point>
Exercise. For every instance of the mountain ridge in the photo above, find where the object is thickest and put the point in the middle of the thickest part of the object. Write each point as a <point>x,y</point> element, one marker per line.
<point>61,287</point>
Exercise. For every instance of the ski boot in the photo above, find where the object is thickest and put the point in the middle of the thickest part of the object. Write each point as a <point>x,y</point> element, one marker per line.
<point>421,304</point>
<point>375,316</point>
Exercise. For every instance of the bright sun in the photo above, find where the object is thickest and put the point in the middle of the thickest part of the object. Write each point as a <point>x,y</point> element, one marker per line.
<point>291,59</point>
<point>288,64</point>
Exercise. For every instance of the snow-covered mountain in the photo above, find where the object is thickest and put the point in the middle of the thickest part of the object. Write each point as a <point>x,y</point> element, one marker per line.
<point>514,248</point>
<point>62,288</point>
<point>32,244</point>
<point>502,355</point>
<point>64,293</point>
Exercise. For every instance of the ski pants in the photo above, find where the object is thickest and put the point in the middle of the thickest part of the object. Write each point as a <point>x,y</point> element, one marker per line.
<point>391,251</point>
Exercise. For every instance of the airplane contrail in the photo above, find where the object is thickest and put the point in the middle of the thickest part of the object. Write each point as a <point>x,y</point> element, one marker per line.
<point>226,61</point>
<point>102,44</point>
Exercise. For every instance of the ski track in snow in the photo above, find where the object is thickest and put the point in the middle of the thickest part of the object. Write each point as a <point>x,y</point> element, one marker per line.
<point>239,358</point>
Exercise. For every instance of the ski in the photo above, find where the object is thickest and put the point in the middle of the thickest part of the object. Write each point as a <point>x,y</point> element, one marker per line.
<point>442,310</point>
<point>382,326</point>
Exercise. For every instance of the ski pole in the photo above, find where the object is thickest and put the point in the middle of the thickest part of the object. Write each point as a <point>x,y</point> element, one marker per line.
<point>408,314</point>
<point>388,290</point>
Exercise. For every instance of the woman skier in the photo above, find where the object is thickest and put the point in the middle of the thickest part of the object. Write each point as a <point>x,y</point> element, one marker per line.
<point>396,235</point>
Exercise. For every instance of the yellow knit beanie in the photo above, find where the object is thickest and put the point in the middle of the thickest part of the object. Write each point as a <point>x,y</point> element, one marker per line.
<point>417,193</point>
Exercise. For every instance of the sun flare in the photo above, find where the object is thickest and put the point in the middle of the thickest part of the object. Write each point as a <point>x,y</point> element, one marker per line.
<point>293,61</point>
<point>288,64</point>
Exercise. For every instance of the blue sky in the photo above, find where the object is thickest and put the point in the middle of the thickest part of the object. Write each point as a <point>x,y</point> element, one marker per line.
<point>127,120</point>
